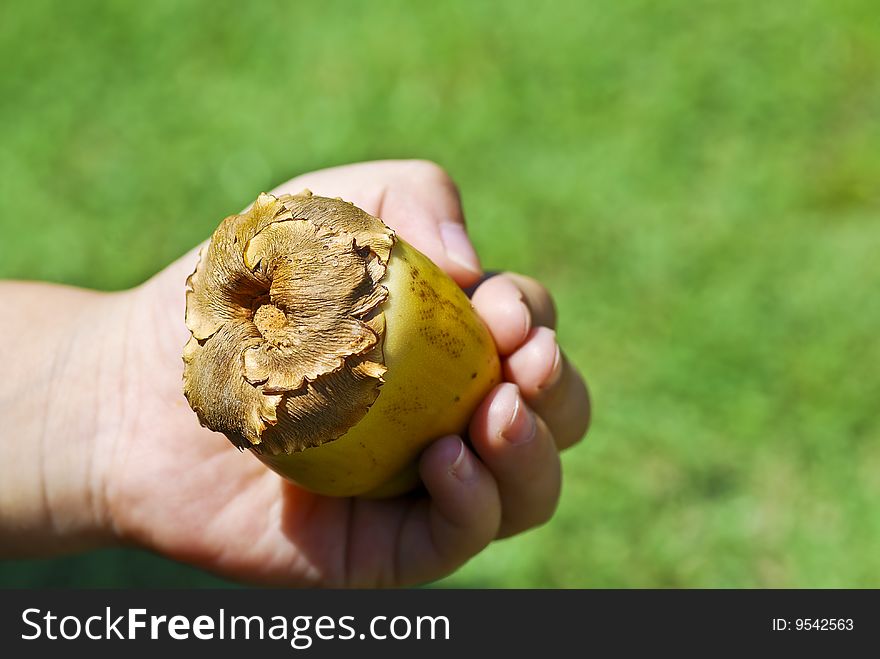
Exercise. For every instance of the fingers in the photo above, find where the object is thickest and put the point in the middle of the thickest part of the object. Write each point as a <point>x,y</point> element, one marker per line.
<point>461,517</point>
<point>551,385</point>
<point>519,313</point>
<point>519,451</point>
<point>511,305</point>
<point>417,198</point>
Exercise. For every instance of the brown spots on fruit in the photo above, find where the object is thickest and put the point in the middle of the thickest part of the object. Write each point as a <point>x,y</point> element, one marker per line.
<point>403,409</point>
<point>448,322</point>
<point>443,339</point>
<point>423,290</point>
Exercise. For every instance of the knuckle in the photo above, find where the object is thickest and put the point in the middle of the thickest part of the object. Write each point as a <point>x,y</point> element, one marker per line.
<point>565,442</point>
<point>545,513</point>
<point>575,434</point>
<point>497,285</point>
<point>537,296</point>
<point>537,516</point>
<point>430,172</point>
<point>551,501</point>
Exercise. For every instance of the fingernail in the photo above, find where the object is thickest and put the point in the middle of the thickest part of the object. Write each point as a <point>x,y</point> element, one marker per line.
<point>462,467</point>
<point>543,343</point>
<point>521,317</point>
<point>525,319</point>
<point>522,426</point>
<point>555,371</point>
<point>458,246</point>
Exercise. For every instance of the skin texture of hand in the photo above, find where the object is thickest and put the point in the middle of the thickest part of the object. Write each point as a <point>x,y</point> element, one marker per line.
<point>140,470</point>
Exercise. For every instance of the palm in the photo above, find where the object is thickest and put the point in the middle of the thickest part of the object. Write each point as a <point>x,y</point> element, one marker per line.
<point>228,513</point>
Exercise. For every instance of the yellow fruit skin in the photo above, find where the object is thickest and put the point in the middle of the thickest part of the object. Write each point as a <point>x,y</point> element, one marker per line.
<point>441,363</point>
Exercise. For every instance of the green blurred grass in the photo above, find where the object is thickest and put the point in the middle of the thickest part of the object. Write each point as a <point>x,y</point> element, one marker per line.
<point>696,182</point>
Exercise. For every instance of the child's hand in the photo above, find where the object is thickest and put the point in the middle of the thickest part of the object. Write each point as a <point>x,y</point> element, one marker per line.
<point>166,483</point>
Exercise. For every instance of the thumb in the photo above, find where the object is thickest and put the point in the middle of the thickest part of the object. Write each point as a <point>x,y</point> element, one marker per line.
<point>424,205</point>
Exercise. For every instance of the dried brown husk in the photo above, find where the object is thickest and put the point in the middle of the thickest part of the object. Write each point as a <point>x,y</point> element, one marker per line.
<point>284,308</point>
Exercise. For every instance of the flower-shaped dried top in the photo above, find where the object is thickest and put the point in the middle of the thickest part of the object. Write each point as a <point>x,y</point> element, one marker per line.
<point>284,310</point>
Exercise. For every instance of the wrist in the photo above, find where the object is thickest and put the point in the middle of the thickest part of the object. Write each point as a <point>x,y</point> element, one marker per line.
<point>61,413</point>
